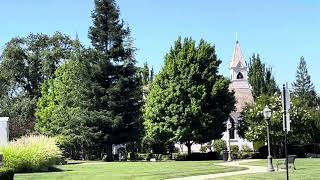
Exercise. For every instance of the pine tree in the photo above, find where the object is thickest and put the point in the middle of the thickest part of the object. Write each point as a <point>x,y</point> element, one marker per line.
<point>117,85</point>
<point>303,88</point>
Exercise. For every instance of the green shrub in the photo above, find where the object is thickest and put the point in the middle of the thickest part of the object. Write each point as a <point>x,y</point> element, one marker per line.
<point>181,157</point>
<point>146,156</point>
<point>132,156</point>
<point>174,155</point>
<point>234,148</point>
<point>165,157</point>
<point>31,154</point>
<point>219,145</point>
<point>203,149</point>
<point>6,173</point>
<point>235,151</point>
<point>246,152</point>
<point>157,156</point>
<point>197,156</point>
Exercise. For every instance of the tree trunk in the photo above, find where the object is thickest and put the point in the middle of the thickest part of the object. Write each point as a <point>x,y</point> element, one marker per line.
<point>108,152</point>
<point>189,144</point>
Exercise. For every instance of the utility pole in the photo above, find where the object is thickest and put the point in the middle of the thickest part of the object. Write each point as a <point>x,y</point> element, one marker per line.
<point>285,108</point>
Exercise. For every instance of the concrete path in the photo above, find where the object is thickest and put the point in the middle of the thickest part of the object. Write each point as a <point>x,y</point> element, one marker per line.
<point>251,169</point>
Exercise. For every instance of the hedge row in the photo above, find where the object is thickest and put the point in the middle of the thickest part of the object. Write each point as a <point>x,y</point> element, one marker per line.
<point>176,156</point>
<point>302,151</point>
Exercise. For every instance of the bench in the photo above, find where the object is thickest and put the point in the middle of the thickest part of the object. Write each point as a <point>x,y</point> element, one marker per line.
<point>291,159</point>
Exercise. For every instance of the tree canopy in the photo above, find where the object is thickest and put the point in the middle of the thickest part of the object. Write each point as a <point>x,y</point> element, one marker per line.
<point>188,101</point>
<point>26,63</point>
<point>260,78</point>
<point>253,125</point>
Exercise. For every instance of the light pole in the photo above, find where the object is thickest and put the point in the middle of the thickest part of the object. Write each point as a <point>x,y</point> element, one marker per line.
<point>229,125</point>
<point>267,116</point>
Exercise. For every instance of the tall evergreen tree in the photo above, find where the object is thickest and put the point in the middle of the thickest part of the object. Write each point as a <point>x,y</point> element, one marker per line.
<point>117,85</point>
<point>303,88</point>
<point>260,78</point>
<point>189,101</point>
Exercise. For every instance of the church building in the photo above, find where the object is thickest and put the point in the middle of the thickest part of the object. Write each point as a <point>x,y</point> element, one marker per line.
<point>243,94</point>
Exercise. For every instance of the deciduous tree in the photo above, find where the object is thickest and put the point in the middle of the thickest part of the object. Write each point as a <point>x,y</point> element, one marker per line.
<point>189,100</point>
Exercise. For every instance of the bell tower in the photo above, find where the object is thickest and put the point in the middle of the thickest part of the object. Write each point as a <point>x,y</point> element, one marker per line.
<point>238,68</point>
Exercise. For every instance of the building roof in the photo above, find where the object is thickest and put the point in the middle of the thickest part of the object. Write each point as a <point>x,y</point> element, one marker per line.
<point>237,57</point>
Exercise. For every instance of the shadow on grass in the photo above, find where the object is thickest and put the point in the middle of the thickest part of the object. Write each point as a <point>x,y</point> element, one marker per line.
<point>50,169</point>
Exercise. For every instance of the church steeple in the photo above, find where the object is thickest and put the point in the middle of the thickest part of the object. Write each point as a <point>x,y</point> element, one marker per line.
<point>238,68</point>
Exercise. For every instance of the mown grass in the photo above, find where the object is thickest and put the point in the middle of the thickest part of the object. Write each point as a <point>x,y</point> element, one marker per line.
<point>130,170</point>
<point>306,169</point>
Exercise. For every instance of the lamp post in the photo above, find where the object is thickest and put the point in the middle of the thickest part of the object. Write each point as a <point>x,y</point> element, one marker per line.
<point>229,125</point>
<point>267,116</point>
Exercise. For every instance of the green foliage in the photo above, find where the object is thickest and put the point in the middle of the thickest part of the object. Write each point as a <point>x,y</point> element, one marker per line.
<point>258,144</point>
<point>31,154</point>
<point>181,157</point>
<point>234,148</point>
<point>6,173</point>
<point>246,152</point>
<point>260,78</point>
<point>188,100</point>
<point>303,88</point>
<point>253,126</point>
<point>26,62</point>
<point>219,145</point>
<point>65,108</point>
<point>203,149</point>
<point>116,83</point>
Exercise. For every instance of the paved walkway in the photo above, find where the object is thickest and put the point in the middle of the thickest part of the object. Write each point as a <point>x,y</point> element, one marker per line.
<point>251,169</point>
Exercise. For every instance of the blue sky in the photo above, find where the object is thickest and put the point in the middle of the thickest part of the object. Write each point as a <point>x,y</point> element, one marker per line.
<point>280,31</point>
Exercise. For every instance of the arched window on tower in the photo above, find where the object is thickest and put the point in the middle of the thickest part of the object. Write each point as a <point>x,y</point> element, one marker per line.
<point>232,129</point>
<point>239,76</point>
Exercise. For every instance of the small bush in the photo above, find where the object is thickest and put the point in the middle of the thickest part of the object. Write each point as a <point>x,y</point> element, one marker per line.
<point>203,149</point>
<point>246,152</point>
<point>219,145</point>
<point>181,157</point>
<point>234,148</point>
<point>132,156</point>
<point>165,157</point>
<point>235,151</point>
<point>197,156</point>
<point>31,154</point>
<point>6,173</point>
<point>146,156</point>
<point>174,156</point>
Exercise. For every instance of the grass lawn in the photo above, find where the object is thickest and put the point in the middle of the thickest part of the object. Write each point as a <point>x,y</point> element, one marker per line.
<point>130,170</point>
<point>305,169</point>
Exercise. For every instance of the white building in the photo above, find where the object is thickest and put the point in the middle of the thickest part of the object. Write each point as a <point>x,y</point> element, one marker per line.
<point>4,131</point>
<point>243,94</point>
<point>241,87</point>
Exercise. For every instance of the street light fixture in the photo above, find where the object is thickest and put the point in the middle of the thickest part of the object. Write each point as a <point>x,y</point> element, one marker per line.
<point>229,126</point>
<point>267,116</point>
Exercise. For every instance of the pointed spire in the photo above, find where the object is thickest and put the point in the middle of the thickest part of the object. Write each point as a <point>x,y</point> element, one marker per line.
<point>237,57</point>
